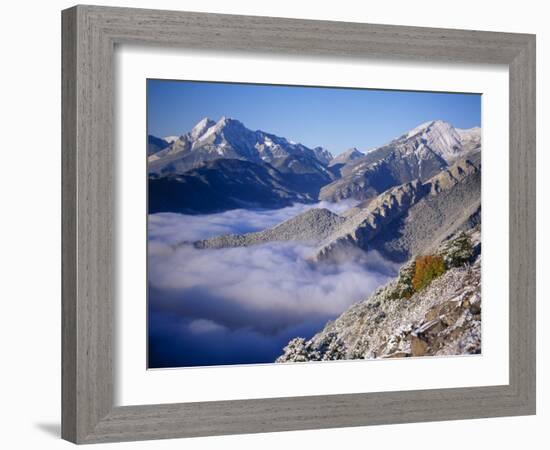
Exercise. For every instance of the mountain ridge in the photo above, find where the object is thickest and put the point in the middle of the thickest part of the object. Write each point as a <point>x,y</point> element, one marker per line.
<point>405,220</point>
<point>418,154</point>
<point>227,138</point>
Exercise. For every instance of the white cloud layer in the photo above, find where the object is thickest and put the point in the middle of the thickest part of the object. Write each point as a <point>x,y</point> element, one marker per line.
<point>263,291</point>
<point>172,228</point>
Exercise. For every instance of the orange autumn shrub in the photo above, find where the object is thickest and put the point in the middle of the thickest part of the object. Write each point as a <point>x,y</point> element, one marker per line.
<point>427,268</point>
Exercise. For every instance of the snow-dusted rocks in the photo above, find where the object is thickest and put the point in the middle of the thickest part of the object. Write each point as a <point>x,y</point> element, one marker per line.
<point>418,154</point>
<point>440,137</point>
<point>470,138</point>
<point>201,128</point>
<point>442,319</point>
<point>410,218</point>
<point>323,155</point>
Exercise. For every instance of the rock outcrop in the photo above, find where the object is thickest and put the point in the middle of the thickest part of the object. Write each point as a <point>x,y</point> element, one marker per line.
<point>408,219</point>
<point>359,229</point>
<point>442,319</point>
<point>413,217</point>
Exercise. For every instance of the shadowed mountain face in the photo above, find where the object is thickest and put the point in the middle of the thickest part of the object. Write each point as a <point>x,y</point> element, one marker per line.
<point>221,185</point>
<point>306,174</point>
<point>224,165</point>
<point>155,145</point>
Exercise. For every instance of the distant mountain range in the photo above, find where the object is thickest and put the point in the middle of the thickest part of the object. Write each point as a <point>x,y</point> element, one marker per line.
<point>224,165</point>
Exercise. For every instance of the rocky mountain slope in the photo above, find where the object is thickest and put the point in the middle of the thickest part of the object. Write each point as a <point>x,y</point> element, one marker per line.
<point>405,220</point>
<point>227,139</point>
<point>345,157</point>
<point>410,218</point>
<point>323,155</point>
<point>470,138</point>
<point>305,173</point>
<point>418,154</point>
<point>311,227</point>
<point>434,218</point>
<point>401,319</point>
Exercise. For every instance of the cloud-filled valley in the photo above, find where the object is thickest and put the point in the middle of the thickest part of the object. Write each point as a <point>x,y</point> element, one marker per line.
<point>231,305</point>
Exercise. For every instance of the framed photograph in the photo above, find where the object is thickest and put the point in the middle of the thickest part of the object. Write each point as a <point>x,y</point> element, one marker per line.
<point>277,224</point>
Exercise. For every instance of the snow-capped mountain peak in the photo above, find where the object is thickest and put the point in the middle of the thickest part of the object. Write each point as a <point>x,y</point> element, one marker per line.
<point>224,126</point>
<point>230,139</point>
<point>201,127</point>
<point>438,136</point>
<point>419,129</point>
<point>417,154</point>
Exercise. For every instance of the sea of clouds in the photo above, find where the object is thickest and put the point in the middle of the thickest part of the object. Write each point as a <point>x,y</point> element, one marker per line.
<point>242,305</point>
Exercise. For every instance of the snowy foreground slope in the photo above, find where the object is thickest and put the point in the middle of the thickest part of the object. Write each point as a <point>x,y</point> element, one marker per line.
<point>444,318</point>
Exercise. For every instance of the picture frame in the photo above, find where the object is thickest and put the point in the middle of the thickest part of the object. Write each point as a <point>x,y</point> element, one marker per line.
<point>90,35</point>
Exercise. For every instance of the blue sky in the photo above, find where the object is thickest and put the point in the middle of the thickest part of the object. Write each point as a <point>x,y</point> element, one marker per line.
<point>334,118</point>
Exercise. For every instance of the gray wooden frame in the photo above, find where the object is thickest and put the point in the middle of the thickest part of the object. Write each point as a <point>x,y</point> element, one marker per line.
<point>90,34</point>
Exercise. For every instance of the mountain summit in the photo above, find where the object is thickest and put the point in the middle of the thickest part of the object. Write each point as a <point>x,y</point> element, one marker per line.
<point>417,154</point>
<point>441,137</point>
<point>201,127</point>
<point>227,138</point>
